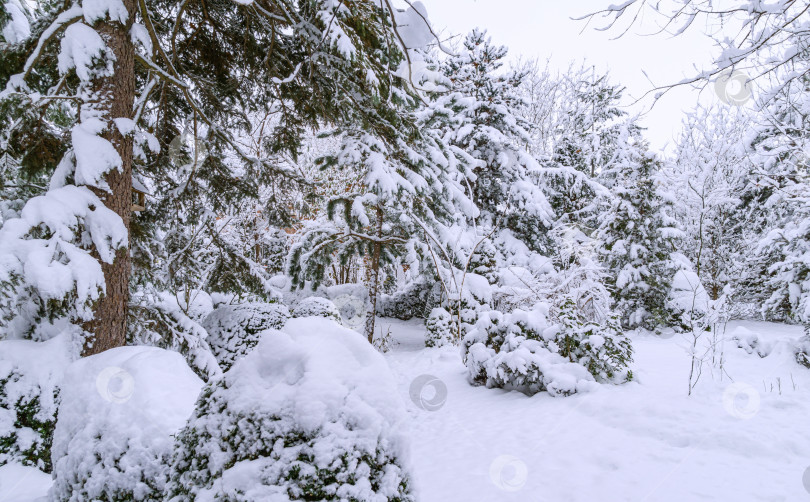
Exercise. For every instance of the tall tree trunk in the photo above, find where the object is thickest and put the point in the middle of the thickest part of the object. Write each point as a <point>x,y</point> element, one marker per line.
<point>117,92</point>
<point>374,279</point>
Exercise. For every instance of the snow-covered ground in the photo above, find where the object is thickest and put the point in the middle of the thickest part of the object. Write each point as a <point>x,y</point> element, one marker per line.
<point>735,439</point>
<point>732,440</point>
<point>23,484</point>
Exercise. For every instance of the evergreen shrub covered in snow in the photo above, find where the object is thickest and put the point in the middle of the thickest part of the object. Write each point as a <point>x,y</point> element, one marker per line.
<point>467,316</point>
<point>310,414</point>
<point>315,306</point>
<point>688,301</point>
<point>803,350</point>
<point>483,261</point>
<point>233,330</point>
<point>27,422</point>
<point>512,351</point>
<point>439,328</point>
<point>599,346</point>
<point>752,343</point>
<point>30,376</point>
<point>118,413</point>
<point>524,351</point>
<point>416,299</point>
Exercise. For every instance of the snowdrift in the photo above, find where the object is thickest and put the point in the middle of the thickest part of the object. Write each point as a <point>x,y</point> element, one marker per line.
<point>311,413</point>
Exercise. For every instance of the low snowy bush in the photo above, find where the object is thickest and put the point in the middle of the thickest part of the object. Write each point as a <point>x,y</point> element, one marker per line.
<point>310,414</point>
<point>468,316</point>
<point>439,327</point>
<point>233,330</point>
<point>512,351</point>
<point>601,347</point>
<point>688,303</point>
<point>751,342</point>
<point>315,306</point>
<point>30,377</point>
<point>525,351</point>
<point>416,299</point>
<point>483,261</point>
<point>803,350</point>
<point>118,413</point>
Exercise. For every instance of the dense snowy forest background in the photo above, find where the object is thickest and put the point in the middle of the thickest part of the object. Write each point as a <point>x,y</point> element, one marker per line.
<point>213,212</point>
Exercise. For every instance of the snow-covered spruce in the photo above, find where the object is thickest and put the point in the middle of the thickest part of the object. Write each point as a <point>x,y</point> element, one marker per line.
<point>439,327</point>
<point>638,234</point>
<point>315,306</point>
<point>414,299</point>
<point>118,412</point>
<point>524,351</point>
<point>30,377</point>
<point>310,414</point>
<point>233,330</point>
<point>599,346</point>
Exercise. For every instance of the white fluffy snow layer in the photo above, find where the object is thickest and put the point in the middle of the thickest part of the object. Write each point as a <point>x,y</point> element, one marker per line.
<point>325,381</point>
<point>19,483</point>
<point>740,440</point>
<point>118,412</point>
<point>317,377</point>
<point>732,440</point>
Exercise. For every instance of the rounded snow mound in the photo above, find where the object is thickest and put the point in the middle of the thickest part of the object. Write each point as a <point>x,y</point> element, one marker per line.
<point>233,330</point>
<point>118,412</point>
<point>315,306</point>
<point>312,413</point>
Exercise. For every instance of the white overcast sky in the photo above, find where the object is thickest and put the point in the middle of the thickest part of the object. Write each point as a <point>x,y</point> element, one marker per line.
<point>544,29</point>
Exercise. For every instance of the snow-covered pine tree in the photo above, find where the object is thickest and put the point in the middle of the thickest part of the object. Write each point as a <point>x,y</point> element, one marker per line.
<point>410,184</point>
<point>132,66</point>
<point>482,109</point>
<point>776,205</point>
<point>592,132</point>
<point>404,193</point>
<point>637,234</point>
<point>77,230</point>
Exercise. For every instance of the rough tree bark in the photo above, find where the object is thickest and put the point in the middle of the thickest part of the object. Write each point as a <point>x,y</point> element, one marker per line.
<point>374,278</point>
<point>117,96</point>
